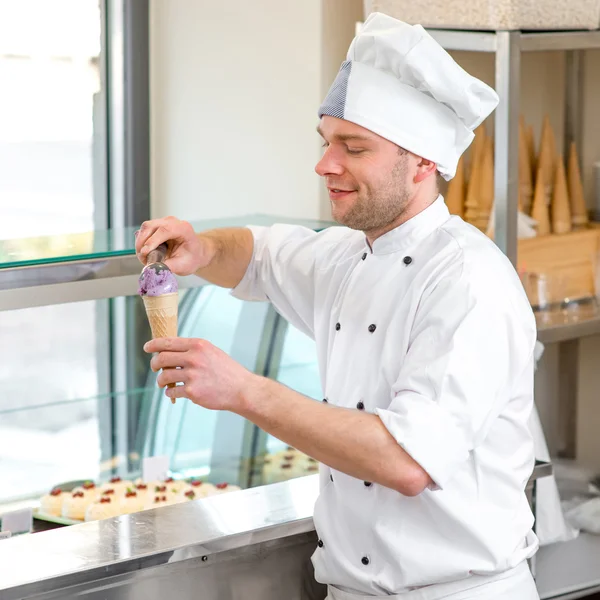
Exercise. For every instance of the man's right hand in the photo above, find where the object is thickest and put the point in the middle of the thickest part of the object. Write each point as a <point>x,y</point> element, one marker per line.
<point>186,251</point>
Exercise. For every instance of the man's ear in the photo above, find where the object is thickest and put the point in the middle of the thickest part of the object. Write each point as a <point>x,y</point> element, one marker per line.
<point>425,168</point>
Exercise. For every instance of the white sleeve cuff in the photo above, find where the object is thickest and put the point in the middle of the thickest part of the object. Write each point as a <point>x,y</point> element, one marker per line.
<point>428,434</point>
<point>250,288</point>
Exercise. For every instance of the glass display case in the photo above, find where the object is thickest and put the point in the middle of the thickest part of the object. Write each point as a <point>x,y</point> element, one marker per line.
<point>80,401</point>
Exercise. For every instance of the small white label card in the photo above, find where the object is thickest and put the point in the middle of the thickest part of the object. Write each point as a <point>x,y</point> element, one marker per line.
<point>17,521</point>
<point>155,468</point>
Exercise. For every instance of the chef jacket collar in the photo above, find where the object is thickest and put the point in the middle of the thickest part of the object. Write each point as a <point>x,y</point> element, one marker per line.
<point>415,229</point>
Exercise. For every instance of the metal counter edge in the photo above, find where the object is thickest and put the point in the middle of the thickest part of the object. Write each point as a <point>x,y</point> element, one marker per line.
<point>52,560</point>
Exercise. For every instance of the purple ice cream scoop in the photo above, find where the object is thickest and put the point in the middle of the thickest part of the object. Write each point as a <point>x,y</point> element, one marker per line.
<point>156,281</point>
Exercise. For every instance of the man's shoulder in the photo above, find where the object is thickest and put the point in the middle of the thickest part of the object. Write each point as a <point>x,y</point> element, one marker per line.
<point>474,249</point>
<point>481,269</point>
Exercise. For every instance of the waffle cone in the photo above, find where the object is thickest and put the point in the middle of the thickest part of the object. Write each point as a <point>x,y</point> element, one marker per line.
<point>540,210</point>
<point>473,188</point>
<point>525,183</point>
<point>547,158</point>
<point>455,195</point>
<point>561,211</point>
<point>530,137</point>
<point>477,147</point>
<point>578,207</point>
<point>162,316</point>
<point>486,184</point>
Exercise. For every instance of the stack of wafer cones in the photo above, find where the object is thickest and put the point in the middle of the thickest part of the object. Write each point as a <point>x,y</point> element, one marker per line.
<point>455,194</point>
<point>473,197</point>
<point>550,190</point>
<point>525,167</point>
<point>540,209</point>
<point>561,211</point>
<point>486,185</point>
<point>546,161</point>
<point>579,214</point>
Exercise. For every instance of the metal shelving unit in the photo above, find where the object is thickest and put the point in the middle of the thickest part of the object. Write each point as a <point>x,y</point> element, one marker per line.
<point>552,578</point>
<point>508,47</point>
<point>571,329</point>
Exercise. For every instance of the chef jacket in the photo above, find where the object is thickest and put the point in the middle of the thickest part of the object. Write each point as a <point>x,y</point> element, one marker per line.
<point>430,330</point>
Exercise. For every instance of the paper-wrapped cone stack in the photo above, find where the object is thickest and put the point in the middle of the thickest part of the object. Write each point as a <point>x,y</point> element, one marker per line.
<point>540,209</point>
<point>525,170</point>
<point>561,211</point>
<point>579,214</point>
<point>455,195</point>
<point>162,316</point>
<point>486,185</point>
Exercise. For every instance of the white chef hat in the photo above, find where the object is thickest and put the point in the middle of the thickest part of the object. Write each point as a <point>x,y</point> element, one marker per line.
<point>399,83</point>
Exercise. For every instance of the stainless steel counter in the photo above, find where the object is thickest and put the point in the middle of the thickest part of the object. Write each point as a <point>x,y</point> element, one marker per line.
<point>121,548</point>
<point>259,539</point>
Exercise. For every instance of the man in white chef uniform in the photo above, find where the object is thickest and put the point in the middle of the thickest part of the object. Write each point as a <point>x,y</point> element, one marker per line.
<point>425,339</point>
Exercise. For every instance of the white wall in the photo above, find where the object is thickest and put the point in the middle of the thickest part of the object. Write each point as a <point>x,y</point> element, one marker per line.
<point>235,88</point>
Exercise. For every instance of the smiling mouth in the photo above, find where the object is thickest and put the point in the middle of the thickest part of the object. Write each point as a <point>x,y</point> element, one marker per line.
<point>336,193</point>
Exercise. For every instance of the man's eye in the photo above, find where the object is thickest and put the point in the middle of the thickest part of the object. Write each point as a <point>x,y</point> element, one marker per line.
<point>324,145</point>
<point>355,150</point>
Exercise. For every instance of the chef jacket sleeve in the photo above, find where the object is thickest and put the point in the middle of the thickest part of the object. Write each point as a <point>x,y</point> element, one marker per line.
<point>472,338</point>
<point>282,271</point>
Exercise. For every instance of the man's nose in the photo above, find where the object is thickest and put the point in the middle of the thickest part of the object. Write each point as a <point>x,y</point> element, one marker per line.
<point>330,164</point>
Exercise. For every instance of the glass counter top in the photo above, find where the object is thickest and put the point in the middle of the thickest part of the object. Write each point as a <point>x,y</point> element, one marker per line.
<point>51,249</point>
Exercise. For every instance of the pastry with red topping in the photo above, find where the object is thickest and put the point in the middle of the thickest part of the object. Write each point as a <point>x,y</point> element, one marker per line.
<point>118,484</point>
<point>158,499</point>
<point>225,488</point>
<point>145,489</point>
<point>51,503</point>
<point>288,464</point>
<point>103,508</point>
<point>202,489</point>
<point>132,502</point>
<point>189,494</point>
<point>76,502</point>
<point>175,486</point>
<point>91,488</point>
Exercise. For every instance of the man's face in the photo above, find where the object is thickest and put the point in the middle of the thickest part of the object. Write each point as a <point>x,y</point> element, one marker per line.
<point>370,180</point>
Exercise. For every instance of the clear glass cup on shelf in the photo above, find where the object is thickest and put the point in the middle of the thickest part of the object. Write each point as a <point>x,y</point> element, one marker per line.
<point>555,300</point>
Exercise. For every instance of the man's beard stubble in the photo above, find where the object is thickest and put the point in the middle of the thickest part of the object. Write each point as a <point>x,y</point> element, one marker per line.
<point>376,208</point>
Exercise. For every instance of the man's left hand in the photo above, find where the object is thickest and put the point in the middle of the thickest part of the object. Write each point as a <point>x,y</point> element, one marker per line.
<point>210,377</point>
